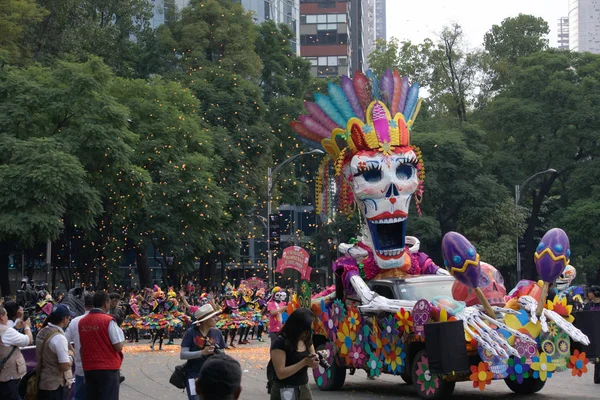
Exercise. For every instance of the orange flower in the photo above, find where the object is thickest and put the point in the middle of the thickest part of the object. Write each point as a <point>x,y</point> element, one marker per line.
<point>578,363</point>
<point>404,321</point>
<point>561,308</point>
<point>481,375</point>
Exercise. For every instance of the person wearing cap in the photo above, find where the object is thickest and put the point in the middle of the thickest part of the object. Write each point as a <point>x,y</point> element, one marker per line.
<point>220,379</point>
<point>54,355</point>
<point>101,350</point>
<point>14,367</point>
<point>200,342</point>
<point>72,335</point>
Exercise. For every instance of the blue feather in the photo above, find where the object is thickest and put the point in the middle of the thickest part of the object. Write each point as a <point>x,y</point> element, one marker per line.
<point>339,100</point>
<point>374,85</point>
<point>411,101</point>
<point>310,143</point>
<point>327,106</point>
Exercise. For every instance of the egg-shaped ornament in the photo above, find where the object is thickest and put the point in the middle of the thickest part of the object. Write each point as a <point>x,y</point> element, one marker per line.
<point>461,259</point>
<point>552,254</point>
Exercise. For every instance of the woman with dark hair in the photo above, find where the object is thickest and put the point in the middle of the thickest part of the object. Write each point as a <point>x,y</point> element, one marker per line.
<point>292,353</point>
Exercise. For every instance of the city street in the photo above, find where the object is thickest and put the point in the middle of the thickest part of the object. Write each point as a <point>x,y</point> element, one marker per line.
<point>147,377</point>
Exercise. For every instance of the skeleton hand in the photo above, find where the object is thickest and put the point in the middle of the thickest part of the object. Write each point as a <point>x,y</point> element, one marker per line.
<point>442,271</point>
<point>473,320</point>
<point>354,251</point>
<point>529,304</point>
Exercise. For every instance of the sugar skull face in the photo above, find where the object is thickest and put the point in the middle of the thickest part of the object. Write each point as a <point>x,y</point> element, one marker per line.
<point>383,186</point>
<point>498,365</point>
<point>491,283</point>
<point>557,345</point>
<point>525,349</point>
<point>566,277</point>
<point>280,296</point>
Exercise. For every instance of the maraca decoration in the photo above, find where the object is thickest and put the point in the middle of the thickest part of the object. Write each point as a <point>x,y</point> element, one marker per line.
<point>551,257</point>
<point>462,261</point>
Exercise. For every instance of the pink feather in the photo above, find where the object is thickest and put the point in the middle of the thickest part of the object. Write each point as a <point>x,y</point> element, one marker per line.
<point>305,133</point>
<point>362,87</point>
<point>405,87</point>
<point>313,126</point>
<point>319,115</point>
<point>397,90</point>
<point>348,88</point>
<point>386,85</point>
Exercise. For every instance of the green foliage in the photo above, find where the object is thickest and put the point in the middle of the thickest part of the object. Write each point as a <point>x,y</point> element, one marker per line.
<point>15,17</point>
<point>517,37</point>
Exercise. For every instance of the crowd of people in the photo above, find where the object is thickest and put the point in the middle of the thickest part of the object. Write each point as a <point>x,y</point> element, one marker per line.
<point>85,332</point>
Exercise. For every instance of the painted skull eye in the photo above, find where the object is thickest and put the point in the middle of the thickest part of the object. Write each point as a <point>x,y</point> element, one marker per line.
<point>548,347</point>
<point>405,171</point>
<point>531,350</point>
<point>483,280</point>
<point>499,278</point>
<point>372,175</point>
<point>563,346</point>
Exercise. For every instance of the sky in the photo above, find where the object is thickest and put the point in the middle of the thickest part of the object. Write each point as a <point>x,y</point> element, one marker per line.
<point>416,20</point>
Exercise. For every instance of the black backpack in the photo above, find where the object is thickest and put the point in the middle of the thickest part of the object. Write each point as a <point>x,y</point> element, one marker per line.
<point>270,376</point>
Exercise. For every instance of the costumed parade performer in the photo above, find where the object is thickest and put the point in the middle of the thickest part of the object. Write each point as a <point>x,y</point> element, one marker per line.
<point>276,307</point>
<point>364,125</point>
<point>563,289</point>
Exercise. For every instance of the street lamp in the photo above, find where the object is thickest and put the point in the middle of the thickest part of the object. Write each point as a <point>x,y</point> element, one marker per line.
<point>271,176</point>
<point>517,199</point>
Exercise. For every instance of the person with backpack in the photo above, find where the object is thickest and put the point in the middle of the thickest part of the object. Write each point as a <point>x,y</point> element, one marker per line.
<point>292,353</point>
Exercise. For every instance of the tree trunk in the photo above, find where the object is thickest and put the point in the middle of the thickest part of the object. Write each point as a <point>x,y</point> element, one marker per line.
<point>143,267</point>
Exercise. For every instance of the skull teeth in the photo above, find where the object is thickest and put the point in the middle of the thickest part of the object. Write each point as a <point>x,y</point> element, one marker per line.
<point>390,253</point>
<point>388,221</point>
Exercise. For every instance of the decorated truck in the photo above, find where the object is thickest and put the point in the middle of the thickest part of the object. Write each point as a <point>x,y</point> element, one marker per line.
<point>392,309</point>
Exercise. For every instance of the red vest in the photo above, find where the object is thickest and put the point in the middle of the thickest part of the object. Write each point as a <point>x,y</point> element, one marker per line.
<point>97,353</point>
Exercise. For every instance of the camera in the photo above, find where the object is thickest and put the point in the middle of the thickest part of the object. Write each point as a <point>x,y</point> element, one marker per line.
<point>218,350</point>
<point>323,361</point>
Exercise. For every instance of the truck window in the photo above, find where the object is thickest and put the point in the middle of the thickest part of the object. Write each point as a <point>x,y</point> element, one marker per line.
<point>384,291</point>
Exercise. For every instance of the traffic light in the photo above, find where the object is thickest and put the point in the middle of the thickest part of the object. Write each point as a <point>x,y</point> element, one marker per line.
<point>274,230</point>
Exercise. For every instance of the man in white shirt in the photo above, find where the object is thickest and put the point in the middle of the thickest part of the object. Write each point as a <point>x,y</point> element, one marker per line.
<point>72,335</point>
<point>15,314</point>
<point>55,356</point>
<point>14,367</point>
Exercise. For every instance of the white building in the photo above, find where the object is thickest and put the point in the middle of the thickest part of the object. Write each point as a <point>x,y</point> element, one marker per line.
<point>562,36</point>
<point>584,25</point>
<point>285,12</point>
<point>380,20</point>
<point>165,10</point>
<point>362,32</point>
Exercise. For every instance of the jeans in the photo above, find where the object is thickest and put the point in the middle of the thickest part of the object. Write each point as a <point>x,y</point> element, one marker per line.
<point>302,392</point>
<point>102,385</point>
<point>10,389</point>
<point>58,394</point>
<point>79,388</point>
<point>191,375</point>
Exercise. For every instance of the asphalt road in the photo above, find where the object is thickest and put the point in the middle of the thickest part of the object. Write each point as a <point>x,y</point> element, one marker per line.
<point>147,377</point>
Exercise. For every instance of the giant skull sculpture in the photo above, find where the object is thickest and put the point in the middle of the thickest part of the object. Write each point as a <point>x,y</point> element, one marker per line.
<point>384,185</point>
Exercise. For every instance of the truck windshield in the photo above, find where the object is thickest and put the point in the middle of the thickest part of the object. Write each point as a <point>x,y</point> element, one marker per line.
<point>424,290</point>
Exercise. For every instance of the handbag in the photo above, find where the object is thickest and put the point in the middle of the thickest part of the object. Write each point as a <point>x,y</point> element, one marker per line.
<point>5,359</point>
<point>179,376</point>
<point>32,383</point>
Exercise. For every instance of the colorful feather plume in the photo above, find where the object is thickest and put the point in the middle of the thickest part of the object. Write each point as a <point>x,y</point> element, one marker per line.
<point>338,98</point>
<point>387,88</point>
<point>362,87</point>
<point>403,95</point>
<point>313,126</point>
<point>305,133</point>
<point>326,105</point>
<point>348,88</point>
<point>318,115</point>
<point>396,97</point>
<point>375,93</point>
<point>310,143</point>
<point>411,101</point>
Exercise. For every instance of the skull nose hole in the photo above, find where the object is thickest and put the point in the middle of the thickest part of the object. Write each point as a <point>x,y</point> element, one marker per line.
<point>392,200</point>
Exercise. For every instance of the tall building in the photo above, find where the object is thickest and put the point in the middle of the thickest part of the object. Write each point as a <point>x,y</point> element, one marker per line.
<point>281,11</point>
<point>325,36</point>
<point>165,10</point>
<point>584,25</point>
<point>563,33</point>
<point>362,32</point>
<point>380,20</point>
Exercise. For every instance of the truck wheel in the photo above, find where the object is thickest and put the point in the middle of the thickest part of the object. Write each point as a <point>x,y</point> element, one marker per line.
<point>426,385</point>
<point>529,385</point>
<point>331,378</point>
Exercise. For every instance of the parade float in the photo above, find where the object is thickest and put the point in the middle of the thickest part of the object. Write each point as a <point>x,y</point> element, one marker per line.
<point>392,310</point>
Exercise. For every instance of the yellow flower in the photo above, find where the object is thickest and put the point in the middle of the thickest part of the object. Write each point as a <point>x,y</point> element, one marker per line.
<point>542,367</point>
<point>345,338</point>
<point>353,319</point>
<point>560,307</point>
